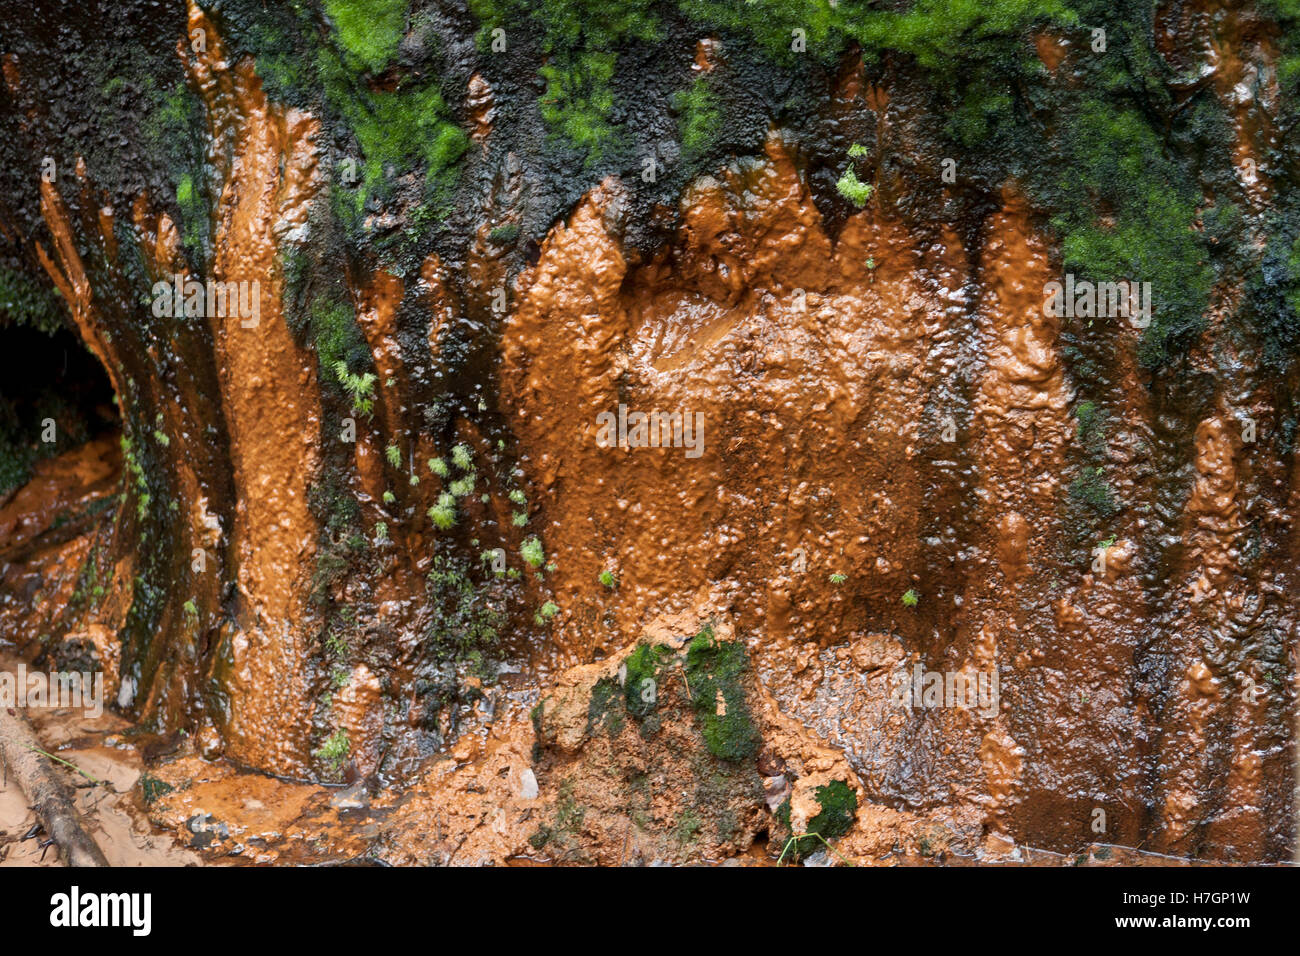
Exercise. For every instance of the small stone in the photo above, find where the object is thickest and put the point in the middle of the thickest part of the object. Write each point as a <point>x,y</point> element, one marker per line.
<point>770,763</point>
<point>776,790</point>
<point>353,798</point>
<point>528,784</point>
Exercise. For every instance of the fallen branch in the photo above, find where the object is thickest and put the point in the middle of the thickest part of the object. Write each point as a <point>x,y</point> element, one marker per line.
<point>50,798</point>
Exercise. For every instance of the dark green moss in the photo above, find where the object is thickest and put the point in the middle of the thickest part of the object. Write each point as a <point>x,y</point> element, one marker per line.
<point>641,678</point>
<point>1091,491</point>
<point>604,712</point>
<point>562,833</point>
<point>716,668</point>
<point>1086,415</point>
<point>24,301</point>
<point>466,618</point>
<point>839,807</point>
<point>151,788</point>
<point>1117,163</point>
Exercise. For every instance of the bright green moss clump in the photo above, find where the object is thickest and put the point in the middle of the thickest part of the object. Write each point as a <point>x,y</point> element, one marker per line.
<point>578,100</point>
<point>716,667</point>
<point>853,189</point>
<point>701,118</point>
<point>532,552</point>
<point>368,30</point>
<point>941,34</point>
<point>335,750</point>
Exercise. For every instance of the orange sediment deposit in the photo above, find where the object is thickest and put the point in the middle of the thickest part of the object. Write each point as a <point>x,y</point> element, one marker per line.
<point>481,108</point>
<point>269,397</point>
<point>377,315</point>
<point>1051,49</point>
<point>728,326</point>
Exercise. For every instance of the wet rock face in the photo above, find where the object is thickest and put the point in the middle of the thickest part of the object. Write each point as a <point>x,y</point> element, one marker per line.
<point>478,406</point>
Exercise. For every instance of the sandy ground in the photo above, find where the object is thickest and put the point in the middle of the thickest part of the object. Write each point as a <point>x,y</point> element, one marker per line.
<point>97,747</point>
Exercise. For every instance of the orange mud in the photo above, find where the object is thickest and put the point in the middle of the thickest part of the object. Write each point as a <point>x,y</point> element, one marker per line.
<point>885,410</point>
<point>828,373</point>
<point>563,790</point>
<point>269,399</point>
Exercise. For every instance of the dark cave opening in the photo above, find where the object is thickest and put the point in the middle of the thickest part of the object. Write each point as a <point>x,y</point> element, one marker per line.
<point>54,396</point>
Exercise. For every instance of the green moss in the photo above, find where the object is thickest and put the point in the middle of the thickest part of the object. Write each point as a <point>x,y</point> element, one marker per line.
<point>839,807</point>
<point>911,598</point>
<point>716,668</point>
<point>688,826</point>
<point>443,514</point>
<point>941,34</point>
<point>561,833</point>
<point>25,301</point>
<point>772,25</point>
<point>531,551</point>
<point>580,39</point>
<point>361,391</point>
<point>979,114</point>
<point>194,211</point>
<point>641,678</point>
<point>397,130</point>
<point>1088,418</point>
<point>1118,163</point>
<point>546,612</point>
<point>604,712</point>
<point>466,619</point>
<point>1091,491</point>
<point>1274,295</point>
<point>335,750</point>
<point>853,189</point>
<point>504,235</point>
<point>607,579</point>
<point>393,454</point>
<point>151,788</point>
<point>462,457</point>
<point>700,119</point>
<point>578,100</point>
<point>368,30</point>
<point>334,332</point>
